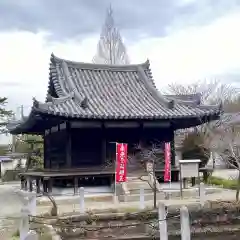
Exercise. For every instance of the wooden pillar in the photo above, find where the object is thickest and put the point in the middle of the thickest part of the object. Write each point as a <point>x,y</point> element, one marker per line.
<point>30,184</point>
<point>46,149</point>
<point>68,146</point>
<point>22,183</point>
<point>104,147</point>
<point>142,142</point>
<point>25,184</point>
<point>45,187</point>
<point>193,181</point>
<point>38,185</point>
<point>50,185</point>
<point>174,174</point>
<point>75,185</point>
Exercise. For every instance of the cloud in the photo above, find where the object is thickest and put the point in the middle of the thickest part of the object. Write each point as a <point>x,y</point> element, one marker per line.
<point>194,53</point>
<point>24,63</point>
<point>68,19</point>
<point>185,54</point>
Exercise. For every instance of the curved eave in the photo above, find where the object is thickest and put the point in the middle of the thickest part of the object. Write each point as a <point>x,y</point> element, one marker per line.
<point>55,108</point>
<point>22,126</point>
<point>32,124</point>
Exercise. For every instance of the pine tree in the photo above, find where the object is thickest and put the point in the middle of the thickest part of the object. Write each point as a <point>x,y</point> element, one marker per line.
<point>4,114</point>
<point>110,49</point>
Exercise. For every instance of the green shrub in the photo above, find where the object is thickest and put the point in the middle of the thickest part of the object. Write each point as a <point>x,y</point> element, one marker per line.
<point>225,183</point>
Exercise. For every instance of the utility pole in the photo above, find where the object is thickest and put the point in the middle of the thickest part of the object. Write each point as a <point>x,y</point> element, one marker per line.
<point>14,138</point>
<point>22,112</point>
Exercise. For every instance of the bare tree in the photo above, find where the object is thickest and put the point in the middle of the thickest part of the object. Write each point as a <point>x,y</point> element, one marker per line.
<point>211,92</point>
<point>110,48</point>
<point>225,141</point>
<point>153,156</point>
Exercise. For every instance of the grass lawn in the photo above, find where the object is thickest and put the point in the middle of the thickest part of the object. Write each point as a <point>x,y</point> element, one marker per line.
<point>225,183</point>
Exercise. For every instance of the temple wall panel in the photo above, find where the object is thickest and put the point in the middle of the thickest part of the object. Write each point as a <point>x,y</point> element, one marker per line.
<point>97,146</point>
<point>55,149</point>
<point>152,139</point>
<point>86,147</point>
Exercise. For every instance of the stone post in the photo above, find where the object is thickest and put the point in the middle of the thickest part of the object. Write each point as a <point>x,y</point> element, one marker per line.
<point>33,205</point>
<point>24,224</point>
<point>29,201</point>
<point>185,224</point>
<point>32,235</point>
<point>202,193</point>
<point>142,200</point>
<point>162,221</point>
<point>82,200</point>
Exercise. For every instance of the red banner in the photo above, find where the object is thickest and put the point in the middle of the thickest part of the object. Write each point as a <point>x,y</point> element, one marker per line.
<point>121,162</point>
<point>167,168</point>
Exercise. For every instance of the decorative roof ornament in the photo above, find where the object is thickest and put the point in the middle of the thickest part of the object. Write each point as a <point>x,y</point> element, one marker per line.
<point>110,48</point>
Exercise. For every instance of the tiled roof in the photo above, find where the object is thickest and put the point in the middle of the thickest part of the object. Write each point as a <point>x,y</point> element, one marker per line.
<point>85,90</point>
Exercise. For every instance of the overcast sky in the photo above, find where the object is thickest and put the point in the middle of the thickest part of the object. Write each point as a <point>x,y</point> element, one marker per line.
<point>185,40</point>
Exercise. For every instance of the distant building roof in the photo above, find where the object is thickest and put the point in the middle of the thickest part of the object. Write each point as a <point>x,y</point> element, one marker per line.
<point>5,159</point>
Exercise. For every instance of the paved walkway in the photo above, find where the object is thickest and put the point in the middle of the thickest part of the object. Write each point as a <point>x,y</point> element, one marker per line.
<point>65,208</point>
<point>11,202</point>
<point>11,205</point>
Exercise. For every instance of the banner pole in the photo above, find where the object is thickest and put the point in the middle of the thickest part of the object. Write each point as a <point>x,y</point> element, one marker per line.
<point>115,180</point>
<point>170,167</point>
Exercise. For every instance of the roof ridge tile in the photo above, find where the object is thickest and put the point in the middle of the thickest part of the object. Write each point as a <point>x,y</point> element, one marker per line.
<point>94,66</point>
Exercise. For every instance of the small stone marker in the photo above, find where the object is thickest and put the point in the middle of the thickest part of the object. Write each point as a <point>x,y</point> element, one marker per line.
<point>82,200</point>
<point>33,205</point>
<point>185,224</point>
<point>24,224</point>
<point>142,200</point>
<point>202,193</point>
<point>162,221</point>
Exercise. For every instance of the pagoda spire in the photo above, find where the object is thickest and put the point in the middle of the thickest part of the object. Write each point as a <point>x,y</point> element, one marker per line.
<point>110,48</point>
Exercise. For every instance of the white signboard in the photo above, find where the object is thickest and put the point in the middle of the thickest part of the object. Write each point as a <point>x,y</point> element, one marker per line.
<point>189,168</point>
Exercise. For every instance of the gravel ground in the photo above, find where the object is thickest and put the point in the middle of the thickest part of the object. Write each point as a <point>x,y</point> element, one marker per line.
<point>10,207</point>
